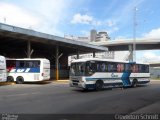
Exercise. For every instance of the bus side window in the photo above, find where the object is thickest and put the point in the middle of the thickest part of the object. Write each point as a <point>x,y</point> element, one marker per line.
<point>128,67</point>
<point>109,67</point>
<point>34,64</point>
<point>136,69</point>
<point>27,64</point>
<point>112,67</point>
<point>133,68</point>
<point>98,67</point>
<point>140,68</point>
<point>146,68</point>
<point>103,67</point>
<point>20,64</point>
<point>120,67</point>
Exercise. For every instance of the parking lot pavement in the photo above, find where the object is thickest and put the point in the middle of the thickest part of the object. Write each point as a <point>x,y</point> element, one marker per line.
<point>57,97</point>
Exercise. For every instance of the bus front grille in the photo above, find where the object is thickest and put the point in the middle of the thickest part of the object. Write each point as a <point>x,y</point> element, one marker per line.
<point>76,81</point>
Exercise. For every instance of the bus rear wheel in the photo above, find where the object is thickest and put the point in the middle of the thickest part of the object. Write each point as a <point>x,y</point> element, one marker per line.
<point>19,80</point>
<point>10,79</point>
<point>134,83</point>
<point>99,85</point>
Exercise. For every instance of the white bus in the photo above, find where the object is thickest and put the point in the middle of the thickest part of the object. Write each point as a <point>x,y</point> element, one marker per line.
<point>97,73</point>
<point>27,70</point>
<point>3,75</point>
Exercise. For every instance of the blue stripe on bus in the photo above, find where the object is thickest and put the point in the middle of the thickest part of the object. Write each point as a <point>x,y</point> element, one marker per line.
<point>125,82</point>
<point>102,79</point>
<point>111,85</point>
<point>37,70</point>
<point>25,70</point>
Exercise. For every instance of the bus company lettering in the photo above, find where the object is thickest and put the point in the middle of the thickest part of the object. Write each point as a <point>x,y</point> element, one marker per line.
<point>20,70</point>
<point>113,75</point>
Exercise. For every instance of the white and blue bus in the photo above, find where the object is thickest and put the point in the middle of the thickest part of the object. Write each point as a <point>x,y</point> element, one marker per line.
<point>3,74</point>
<point>94,73</point>
<point>27,70</point>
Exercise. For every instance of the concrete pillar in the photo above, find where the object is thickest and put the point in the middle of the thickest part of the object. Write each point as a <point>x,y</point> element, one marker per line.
<point>57,62</point>
<point>131,53</point>
<point>94,54</point>
<point>28,49</point>
<point>77,54</point>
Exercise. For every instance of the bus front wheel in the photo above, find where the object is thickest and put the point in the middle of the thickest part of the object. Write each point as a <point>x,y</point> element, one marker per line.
<point>10,79</point>
<point>99,85</point>
<point>19,80</point>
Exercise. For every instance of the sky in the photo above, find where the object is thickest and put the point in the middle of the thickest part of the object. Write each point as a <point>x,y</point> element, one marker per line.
<point>78,17</point>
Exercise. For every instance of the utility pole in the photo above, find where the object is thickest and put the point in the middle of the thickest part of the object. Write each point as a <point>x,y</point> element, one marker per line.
<point>5,20</point>
<point>134,33</point>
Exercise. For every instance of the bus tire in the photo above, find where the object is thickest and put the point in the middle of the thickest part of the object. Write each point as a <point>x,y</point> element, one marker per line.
<point>19,80</point>
<point>134,83</point>
<point>10,79</point>
<point>99,85</point>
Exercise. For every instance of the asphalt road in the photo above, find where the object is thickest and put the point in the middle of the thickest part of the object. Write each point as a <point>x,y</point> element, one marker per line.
<point>59,98</point>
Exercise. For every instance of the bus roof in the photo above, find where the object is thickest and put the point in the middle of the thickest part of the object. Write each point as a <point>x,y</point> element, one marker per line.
<point>2,57</point>
<point>98,59</point>
<point>26,59</point>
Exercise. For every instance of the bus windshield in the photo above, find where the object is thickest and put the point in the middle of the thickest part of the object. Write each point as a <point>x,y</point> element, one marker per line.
<point>83,68</point>
<point>77,69</point>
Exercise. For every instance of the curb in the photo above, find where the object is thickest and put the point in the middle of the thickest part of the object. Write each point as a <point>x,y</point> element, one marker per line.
<point>61,81</point>
<point>154,80</point>
<point>7,83</point>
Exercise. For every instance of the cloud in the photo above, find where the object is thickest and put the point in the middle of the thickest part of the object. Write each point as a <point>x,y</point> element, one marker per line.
<point>149,56</point>
<point>17,16</point>
<point>111,23</point>
<point>155,33</point>
<point>85,32</point>
<point>82,19</point>
<point>85,19</point>
<point>112,30</point>
<point>45,16</point>
<point>90,20</point>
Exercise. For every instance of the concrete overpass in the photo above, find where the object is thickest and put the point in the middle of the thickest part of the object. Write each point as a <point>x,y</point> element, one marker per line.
<point>155,64</point>
<point>123,45</point>
<point>18,42</point>
<point>127,45</point>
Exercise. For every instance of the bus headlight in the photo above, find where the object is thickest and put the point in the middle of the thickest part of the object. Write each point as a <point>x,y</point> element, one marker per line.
<point>81,81</point>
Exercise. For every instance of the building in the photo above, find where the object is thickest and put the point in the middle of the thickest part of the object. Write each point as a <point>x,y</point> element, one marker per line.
<point>93,35</point>
<point>102,36</point>
<point>80,38</point>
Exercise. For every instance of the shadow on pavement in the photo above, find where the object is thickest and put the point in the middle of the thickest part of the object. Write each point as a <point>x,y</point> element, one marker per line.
<point>106,89</point>
<point>39,83</point>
